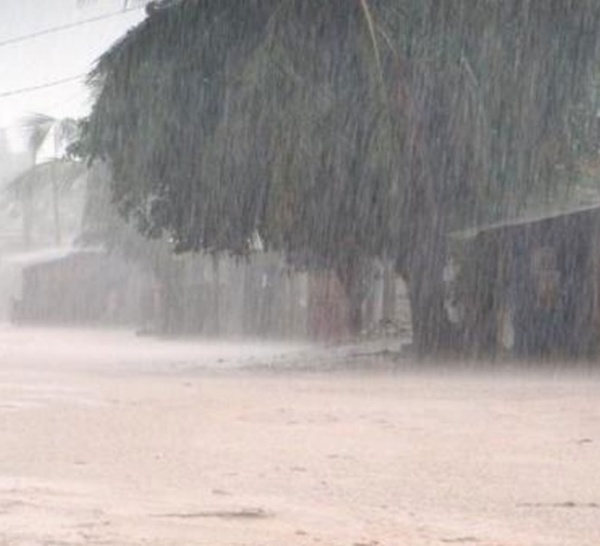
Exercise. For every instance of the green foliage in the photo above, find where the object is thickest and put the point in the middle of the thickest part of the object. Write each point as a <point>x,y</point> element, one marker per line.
<point>342,126</point>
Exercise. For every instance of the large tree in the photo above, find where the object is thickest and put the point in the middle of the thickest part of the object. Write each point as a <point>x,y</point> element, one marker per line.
<point>342,130</point>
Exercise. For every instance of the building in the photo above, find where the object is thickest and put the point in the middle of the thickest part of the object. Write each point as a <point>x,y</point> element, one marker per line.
<point>530,287</point>
<point>75,287</point>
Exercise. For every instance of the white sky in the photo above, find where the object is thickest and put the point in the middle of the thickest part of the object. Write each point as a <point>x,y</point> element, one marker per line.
<point>55,56</point>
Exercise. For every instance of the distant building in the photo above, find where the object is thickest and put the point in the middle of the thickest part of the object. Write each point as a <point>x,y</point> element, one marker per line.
<point>75,287</point>
<point>190,294</point>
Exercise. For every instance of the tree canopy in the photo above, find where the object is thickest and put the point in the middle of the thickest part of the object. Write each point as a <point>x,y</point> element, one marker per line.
<point>341,128</point>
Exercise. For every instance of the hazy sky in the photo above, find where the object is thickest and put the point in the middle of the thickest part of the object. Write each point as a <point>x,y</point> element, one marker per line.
<point>56,56</point>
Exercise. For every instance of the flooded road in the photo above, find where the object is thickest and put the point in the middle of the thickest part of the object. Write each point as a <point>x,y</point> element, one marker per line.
<point>110,439</point>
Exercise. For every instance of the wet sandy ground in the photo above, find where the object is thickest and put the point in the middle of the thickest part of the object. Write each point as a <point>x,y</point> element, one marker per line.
<point>108,439</point>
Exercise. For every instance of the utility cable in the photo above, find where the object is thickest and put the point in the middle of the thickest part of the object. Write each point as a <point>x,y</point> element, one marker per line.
<point>67,26</point>
<point>54,83</point>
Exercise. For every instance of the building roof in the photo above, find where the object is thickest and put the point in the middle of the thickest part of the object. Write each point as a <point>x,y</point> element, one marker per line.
<point>523,221</point>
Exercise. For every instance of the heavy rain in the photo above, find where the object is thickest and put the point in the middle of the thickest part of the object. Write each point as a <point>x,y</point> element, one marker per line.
<point>300,272</point>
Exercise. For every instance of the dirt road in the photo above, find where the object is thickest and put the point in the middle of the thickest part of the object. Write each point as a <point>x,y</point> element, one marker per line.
<point>107,439</point>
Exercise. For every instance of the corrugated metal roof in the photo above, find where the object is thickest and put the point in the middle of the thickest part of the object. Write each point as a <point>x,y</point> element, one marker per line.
<point>523,221</point>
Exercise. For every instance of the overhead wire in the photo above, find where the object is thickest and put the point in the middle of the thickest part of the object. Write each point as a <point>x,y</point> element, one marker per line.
<point>52,30</point>
<point>33,88</point>
<point>60,28</point>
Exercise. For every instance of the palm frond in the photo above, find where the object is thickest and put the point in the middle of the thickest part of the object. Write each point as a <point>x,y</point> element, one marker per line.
<point>223,117</point>
<point>36,127</point>
<point>64,172</point>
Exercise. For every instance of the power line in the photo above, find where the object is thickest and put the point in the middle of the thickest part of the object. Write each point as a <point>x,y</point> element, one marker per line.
<point>54,83</point>
<point>67,26</point>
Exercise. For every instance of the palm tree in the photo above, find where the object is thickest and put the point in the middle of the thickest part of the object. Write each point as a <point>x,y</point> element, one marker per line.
<point>42,130</point>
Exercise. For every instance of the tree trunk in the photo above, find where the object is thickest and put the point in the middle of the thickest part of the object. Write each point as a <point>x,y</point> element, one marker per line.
<point>56,212</point>
<point>433,333</point>
<point>216,273</point>
<point>27,213</point>
<point>171,298</point>
<point>388,310</point>
<point>352,276</point>
<point>355,315</point>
